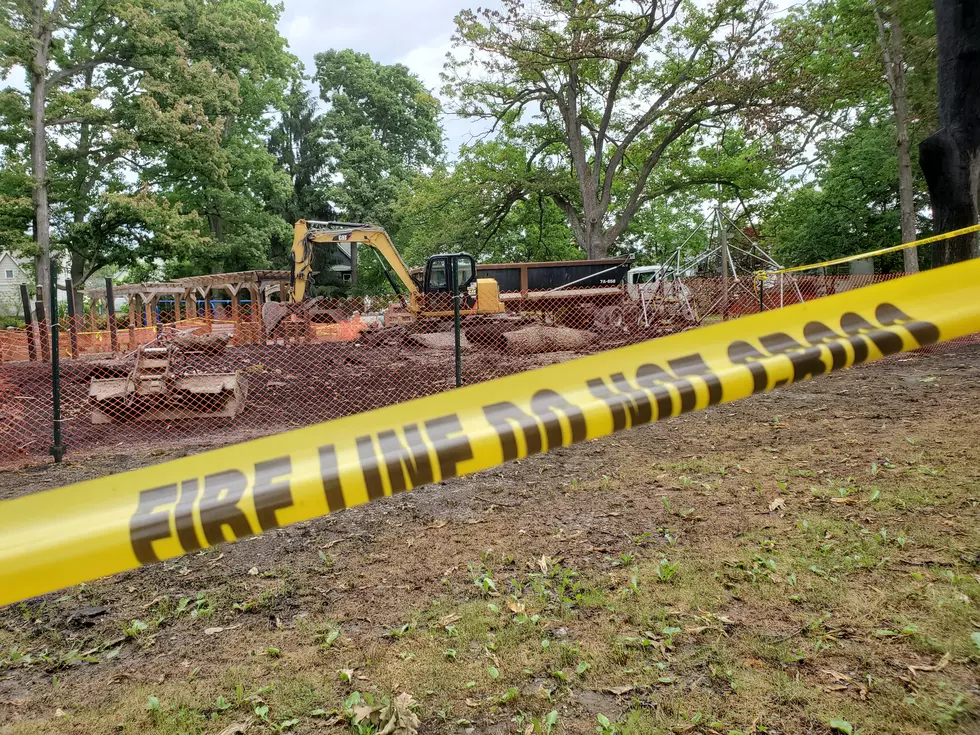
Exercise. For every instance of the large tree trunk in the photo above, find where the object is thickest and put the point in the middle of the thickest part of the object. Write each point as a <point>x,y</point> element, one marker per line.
<point>39,168</point>
<point>950,158</point>
<point>890,40</point>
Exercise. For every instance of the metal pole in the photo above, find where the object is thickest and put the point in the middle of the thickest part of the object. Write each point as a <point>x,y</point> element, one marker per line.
<point>57,448</point>
<point>762,291</point>
<point>26,302</point>
<point>110,310</point>
<point>72,323</point>
<point>459,355</point>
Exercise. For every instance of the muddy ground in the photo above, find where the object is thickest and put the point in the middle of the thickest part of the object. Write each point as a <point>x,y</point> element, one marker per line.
<point>777,565</point>
<point>287,385</point>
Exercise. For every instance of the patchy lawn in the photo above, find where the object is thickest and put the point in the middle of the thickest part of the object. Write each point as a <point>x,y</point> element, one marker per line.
<point>778,565</point>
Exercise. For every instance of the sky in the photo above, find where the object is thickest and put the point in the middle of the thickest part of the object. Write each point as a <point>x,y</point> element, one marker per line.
<point>415,33</point>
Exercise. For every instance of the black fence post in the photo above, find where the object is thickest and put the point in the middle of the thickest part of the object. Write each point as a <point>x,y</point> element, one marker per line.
<point>110,310</point>
<point>762,293</point>
<point>459,347</point>
<point>57,448</point>
<point>25,298</point>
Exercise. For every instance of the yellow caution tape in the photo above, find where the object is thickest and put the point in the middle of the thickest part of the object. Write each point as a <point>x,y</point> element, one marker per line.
<point>61,537</point>
<point>872,254</point>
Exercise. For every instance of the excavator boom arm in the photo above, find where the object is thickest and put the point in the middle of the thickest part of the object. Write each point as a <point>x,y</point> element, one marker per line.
<point>306,234</point>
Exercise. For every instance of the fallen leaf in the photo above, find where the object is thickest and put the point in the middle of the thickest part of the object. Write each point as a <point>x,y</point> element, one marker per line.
<point>939,666</point>
<point>449,619</point>
<point>236,728</point>
<point>835,688</point>
<point>515,607</point>
<point>776,504</point>
<point>332,543</point>
<point>843,501</point>
<point>619,690</point>
<point>60,712</point>
<point>543,563</point>
<point>254,571</point>
<point>439,523</point>
<point>837,675</point>
<point>472,702</point>
<point>212,631</point>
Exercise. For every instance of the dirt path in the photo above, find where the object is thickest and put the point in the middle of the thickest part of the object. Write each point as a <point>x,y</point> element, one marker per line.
<point>769,566</point>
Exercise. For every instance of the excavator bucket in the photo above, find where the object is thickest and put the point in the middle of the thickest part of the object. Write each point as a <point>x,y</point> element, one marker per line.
<point>154,391</point>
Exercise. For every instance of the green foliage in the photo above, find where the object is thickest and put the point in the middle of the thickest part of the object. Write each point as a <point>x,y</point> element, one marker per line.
<point>477,207</point>
<point>563,80</point>
<point>852,207</point>
<point>156,116</point>
<point>298,144</point>
<point>382,127</point>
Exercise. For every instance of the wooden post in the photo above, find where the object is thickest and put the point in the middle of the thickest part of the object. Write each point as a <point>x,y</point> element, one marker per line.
<point>72,320</point>
<point>25,299</point>
<point>132,321</point>
<point>110,311</point>
<point>235,310</point>
<point>176,308</point>
<point>93,317</point>
<point>255,292</point>
<point>42,325</point>
<point>208,315</point>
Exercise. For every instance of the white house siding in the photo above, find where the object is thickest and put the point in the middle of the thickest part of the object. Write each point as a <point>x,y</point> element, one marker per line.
<point>10,304</point>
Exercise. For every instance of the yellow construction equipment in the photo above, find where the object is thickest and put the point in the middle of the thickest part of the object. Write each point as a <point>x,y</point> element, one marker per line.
<point>432,297</point>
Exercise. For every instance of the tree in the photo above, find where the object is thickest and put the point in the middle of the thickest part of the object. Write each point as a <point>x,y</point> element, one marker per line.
<point>869,55</point>
<point>161,101</point>
<point>381,128</point>
<point>611,91</point>
<point>298,144</point>
<point>476,207</point>
<point>851,207</point>
<point>950,158</point>
<point>892,45</point>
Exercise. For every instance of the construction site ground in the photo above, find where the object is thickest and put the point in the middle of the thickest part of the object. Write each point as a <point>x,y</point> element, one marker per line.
<point>776,565</point>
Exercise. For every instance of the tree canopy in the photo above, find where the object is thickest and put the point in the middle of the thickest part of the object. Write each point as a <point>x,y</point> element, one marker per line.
<point>164,138</point>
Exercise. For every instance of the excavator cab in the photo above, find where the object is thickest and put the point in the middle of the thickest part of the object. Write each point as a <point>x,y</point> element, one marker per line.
<point>437,288</point>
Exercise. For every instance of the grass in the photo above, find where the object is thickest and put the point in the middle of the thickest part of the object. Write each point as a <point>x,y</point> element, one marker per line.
<point>696,609</point>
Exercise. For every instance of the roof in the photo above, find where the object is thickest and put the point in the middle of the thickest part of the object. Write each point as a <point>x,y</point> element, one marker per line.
<point>225,279</point>
<point>190,283</point>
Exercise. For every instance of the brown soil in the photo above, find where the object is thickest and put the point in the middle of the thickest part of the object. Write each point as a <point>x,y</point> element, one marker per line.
<point>782,616</point>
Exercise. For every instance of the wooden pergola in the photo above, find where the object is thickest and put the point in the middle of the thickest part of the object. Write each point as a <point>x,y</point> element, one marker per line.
<point>260,285</point>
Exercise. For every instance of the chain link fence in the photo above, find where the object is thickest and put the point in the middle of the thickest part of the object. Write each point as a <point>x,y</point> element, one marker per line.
<point>211,379</point>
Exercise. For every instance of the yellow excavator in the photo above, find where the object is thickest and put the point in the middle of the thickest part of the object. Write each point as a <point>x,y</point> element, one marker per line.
<point>429,297</point>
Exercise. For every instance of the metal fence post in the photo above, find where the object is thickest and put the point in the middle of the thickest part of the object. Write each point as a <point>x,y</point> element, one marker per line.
<point>762,293</point>
<point>57,448</point>
<point>459,355</point>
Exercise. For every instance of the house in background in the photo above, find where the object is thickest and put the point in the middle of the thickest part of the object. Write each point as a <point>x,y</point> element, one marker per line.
<point>13,273</point>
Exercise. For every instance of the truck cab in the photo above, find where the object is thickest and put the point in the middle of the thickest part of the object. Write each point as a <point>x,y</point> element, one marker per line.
<point>479,294</point>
